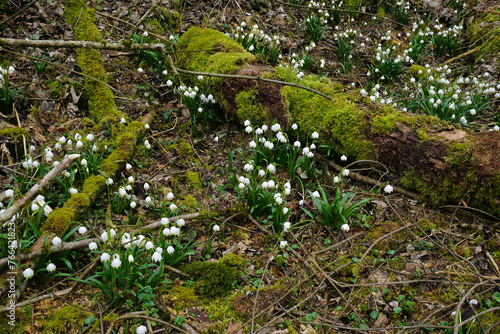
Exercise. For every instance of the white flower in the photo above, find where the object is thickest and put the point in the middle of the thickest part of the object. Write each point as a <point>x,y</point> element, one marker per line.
<point>9,193</point>
<point>109,181</point>
<point>140,70</point>
<point>123,120</point>
<point>28,273</point>
<point>248,129</point>
<point>473,111</point>
<point>172,207</point>
<point>248,167</point>
<point>271,184</point>
<point>56,241</point>
<point>180,222</point>
<point>133,204</point>
<point>286,226</point>
<point>343,158</point>
<point>294,126</point>
<point>164,221</point>
<point>159,250</point>
<point>149,245</point>
<point>345,228</point>
<point>216,228</point>
<point>262,173</point>
<point>175,230</point>
<point>170,249</point>
<point>122,192</point>
<point>62,139</point>
<point>283,243</point>
<point>241,185</point>
<point>105,257</point>
<point>73,191</point>
<point>156,257</point>
<point>169,83</point>
<point>271,168</point>
<point>146,126</point>
<point>128,166</point>
<point>345,172</point>
<point>473,302</point>
<point>315,135</point>
<point>388,189</point>
<point>170,196</point>
<point>279,200</point>
<point>93,245</point>
<point>116,263</point>
<point>251,48</point>
<point>130,258</point>
<point>34,206</point>
<point>84,162</point>
<point>285,210</point>
<point>252,144</point>
<point>90,137</point>
<point>104,236</point>
<point>82,230</point>
<point>315,194</point>
<point>200,77</point>
<point>51,267</point>
<point>276,127</point>
<point>166,231</point>
<point>149,199</point>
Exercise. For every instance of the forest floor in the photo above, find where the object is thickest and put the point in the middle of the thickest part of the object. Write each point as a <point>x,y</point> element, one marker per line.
<point>400,266</point>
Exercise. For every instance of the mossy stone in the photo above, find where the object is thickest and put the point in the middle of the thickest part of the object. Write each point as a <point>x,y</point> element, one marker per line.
<point>250,108</point>
<point>216,279</point>
<point>193,180</point>
<point>66,319</point>
<point>189,201</point>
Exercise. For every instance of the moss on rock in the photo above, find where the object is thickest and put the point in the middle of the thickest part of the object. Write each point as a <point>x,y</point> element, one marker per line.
<point>249,107</point>
<point>66,319</point>
<point>484,32</point>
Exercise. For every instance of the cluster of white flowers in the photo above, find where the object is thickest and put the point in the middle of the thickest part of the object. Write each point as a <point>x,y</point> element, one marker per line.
<point>4,73</point>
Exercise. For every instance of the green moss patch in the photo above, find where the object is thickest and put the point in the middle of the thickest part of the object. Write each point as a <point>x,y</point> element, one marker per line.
<point>66,319</point>
<point>100,98</point>
<point>485,32</point>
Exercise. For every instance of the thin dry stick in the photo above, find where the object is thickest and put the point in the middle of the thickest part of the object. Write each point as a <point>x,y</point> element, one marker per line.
<point>138,23</point>
<point>10,212</point>
<point>19,12</point>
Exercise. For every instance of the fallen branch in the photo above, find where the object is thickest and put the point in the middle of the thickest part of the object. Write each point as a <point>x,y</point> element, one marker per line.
<point>139,22</point>
<point>84,243</point>
<point>11,211</point>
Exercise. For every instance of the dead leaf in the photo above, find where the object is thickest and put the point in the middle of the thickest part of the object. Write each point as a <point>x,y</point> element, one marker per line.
<point>233,326</point>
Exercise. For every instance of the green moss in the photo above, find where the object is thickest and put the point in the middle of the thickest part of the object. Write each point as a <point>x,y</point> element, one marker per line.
<point>249,107</point>
<point>170,20</point>
<point>226,59</point>
<point>414,72</point>
<point>100,98</point>
<point>66,319</point>
<point>215,279</point>
<point>14,132</point>
<point>235,261</point>
<point>184,150</point>
<point>484,32</point>
<point>387,118</point>
<point>193,180</point>
<point>182,297</point>
<point>62,218</point>
<point>19,323</point>
<point>189,201</point>
<point>342,123</point>
<point>93,186</point>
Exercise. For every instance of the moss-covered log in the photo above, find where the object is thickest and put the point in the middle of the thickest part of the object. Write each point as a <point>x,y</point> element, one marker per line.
<point>444,163</point>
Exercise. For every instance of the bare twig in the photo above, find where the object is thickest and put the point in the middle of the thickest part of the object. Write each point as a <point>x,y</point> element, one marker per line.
<point>138,23</point>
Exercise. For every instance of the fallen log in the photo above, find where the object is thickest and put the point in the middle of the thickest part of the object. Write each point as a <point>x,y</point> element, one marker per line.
<point>439,159</point>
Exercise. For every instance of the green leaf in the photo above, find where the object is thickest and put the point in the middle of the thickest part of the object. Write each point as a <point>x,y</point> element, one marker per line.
<point>89,320</point>
<point>398,310</point>
<point>496,296</point>
<point>374,314</point>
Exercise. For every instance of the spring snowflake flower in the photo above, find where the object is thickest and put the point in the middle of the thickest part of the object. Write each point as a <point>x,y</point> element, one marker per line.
<point>82,230</point>
<point>159,250</point>
<point>123,120</point>
<point>73,191</point>
<point>275,128</point>
<point>345,172</point>
<point>51,267</point>
<point>343,158</point>
<point>170,196</point>
<point>252,144</point>
<point>172,207</point>
<point>93,245</point>
<point>34,206</point>
<point>166,231</point>
<point>345,228</point>
<point>285,210</point>
<point>122,192</point>
<point>251,48</point>
<point>262,173</point>
<point>286,226</point>
<point>109,181</point>
<point>56,241</point>
<point>248,129</point>
<point>28,273</point>
<point>388,189</point>
<point>62,140</point>
<point>278,200</point>
<point>128,166</point>
<point>149,199</point>
<point>9,193</point>
<point>248,167</point>
<point>336,179</point>
<point>283,243</point>
<point>149,245</point>
<point>105,257</point>
<point>140,70</point>
<point>169,83</point>
<point>146,126</point>
<point>180,222</point>
<point>170,249</point>
<point>147,144</point>
<point>473,302</point>
<point>472,112</point>
<point>216,228</point>
<point>164,221</point>
<point>315,135</point>
<point>133,204</point>
<point>175,230</point>
<point>116,263</point>
<point>130,258</point>
<point>156,257</point>
<point>241,185</point>
<point>90,137</point>
<point>315,194</point>
<point>200,77</point>
<point>271,168</point>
